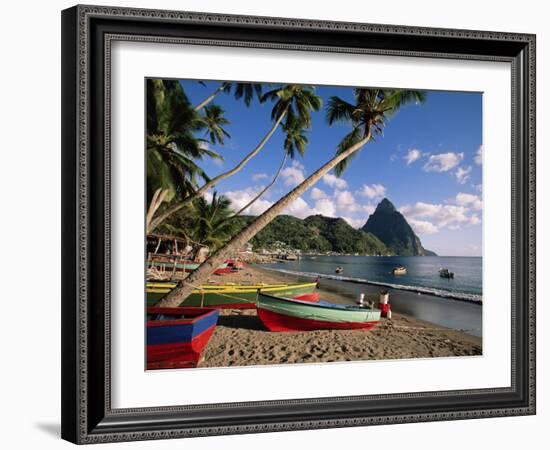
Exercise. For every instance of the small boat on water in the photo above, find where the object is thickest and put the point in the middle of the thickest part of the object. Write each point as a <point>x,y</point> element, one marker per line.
<point>240,296</point>
<point>401,270</point>
<point>177,336</point>
<point>445,273</point>
<point>339,269</point>
<point>284,314</point>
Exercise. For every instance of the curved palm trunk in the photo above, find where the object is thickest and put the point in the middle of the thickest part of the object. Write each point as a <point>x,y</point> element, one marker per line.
<point>264,190</point>
<point>176,207</point>
<point>156,201</point>
<point>199,276</point>
<point>210,97</point>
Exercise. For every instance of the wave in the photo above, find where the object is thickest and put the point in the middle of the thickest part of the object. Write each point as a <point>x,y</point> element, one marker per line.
<point>462,296</point>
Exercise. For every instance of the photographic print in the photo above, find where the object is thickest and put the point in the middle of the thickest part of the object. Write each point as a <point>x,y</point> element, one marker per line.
<point>289,195</point>
<point>290,223</point>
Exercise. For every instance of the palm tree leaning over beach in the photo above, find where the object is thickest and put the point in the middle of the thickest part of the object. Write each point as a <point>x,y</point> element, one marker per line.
<point>295,101</point>
<point>366,117</point>
<point>295,142</point>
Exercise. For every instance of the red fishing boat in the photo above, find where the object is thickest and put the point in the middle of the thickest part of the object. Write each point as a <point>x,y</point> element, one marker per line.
<point>177,336</point>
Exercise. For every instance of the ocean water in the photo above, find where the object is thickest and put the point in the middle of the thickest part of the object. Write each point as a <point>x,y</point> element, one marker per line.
<point>421,293</point>
<point>422,273</point>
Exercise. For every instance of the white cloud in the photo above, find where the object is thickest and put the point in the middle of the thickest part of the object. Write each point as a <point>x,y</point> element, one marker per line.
<point>345,201</point>
<point>240,198</point>
<point>317,194</point>
<point>479,156</point>
<point>441,216</point>
<point>208,196</point>
<point>259,176</point>
<point>299,208</point>
<point>369,208</point>
<point>325,207</point>
<point>423,226</point>
<point>293,175</point>
<point>462,174</point>
<point>412,155</point>
<point>372,192</point>
<point>443,162</point>
<point>471,200</point>
<point>355,223</point>
<point>335,182</point>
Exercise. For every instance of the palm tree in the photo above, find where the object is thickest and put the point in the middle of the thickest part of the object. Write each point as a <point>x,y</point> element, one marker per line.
<point>205,223</point>
<point>366,117</point>
<point>214,121</point>
<point>246,91</point>
<point>212,226</point>
<point>172,147</point>
<point>295,142</point>
<point>296,101</point>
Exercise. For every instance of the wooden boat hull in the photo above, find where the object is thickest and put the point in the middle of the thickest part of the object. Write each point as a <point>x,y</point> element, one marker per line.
<point>188,267</point>
<point>229,297</point>
<point>314,297</point>
<point>177,342</point>
<point>280,314</point>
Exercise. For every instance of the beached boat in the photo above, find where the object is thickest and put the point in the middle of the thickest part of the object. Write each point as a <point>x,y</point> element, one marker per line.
<point>312,297</point>
<point>234,265</point>
<point>284,314</point>
<point>168,265</point>
<point>445,273</point>
<point>399,270</point>
<point>228,295</point>
<point>177,336</point>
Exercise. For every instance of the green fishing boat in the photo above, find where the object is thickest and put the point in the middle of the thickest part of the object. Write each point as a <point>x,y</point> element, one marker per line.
<point>284,314</point>
<point>228,295</point>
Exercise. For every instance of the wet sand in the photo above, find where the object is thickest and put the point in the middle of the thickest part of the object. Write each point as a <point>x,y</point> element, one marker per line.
<point>240,339</point>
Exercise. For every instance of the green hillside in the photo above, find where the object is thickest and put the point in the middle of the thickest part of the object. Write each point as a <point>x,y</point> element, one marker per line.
<point>316,234</point>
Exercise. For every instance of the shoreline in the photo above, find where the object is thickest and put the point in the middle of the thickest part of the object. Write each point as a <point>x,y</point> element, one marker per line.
<point>240,339</point>
<point>462,297</point>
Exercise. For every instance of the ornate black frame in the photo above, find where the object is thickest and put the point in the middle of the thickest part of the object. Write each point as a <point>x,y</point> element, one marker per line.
<point>87,32</point>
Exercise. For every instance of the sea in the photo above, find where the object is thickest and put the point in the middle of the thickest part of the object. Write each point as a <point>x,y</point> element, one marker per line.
<point>454,303</point>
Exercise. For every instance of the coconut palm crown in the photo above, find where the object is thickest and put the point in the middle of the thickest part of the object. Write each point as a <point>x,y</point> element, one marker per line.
<point>368,115</point>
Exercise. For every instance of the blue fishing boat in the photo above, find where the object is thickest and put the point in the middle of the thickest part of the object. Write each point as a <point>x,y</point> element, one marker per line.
<point>177,336</point>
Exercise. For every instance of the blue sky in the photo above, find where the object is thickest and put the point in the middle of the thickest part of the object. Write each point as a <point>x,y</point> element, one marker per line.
<point>427,163</point>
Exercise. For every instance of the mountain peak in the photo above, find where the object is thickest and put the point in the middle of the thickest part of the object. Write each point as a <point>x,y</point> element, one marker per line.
<point>389,225</point>
<point>385,204</point>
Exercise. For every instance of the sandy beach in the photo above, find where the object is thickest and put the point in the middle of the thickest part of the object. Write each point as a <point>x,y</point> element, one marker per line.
<point>240,339</point>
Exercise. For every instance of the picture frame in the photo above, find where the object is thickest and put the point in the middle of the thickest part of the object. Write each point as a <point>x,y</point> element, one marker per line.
<point>87,413</point>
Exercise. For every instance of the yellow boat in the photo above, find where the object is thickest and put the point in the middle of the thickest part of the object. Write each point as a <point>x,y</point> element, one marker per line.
<point>227,295</point>
<point>399,270</point>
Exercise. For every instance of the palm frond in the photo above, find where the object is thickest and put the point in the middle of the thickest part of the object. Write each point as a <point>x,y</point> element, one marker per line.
<point>339,110</point>
<point>350,139</point>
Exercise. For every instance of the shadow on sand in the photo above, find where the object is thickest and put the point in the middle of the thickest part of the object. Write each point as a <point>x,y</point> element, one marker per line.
<point>243,322</point>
